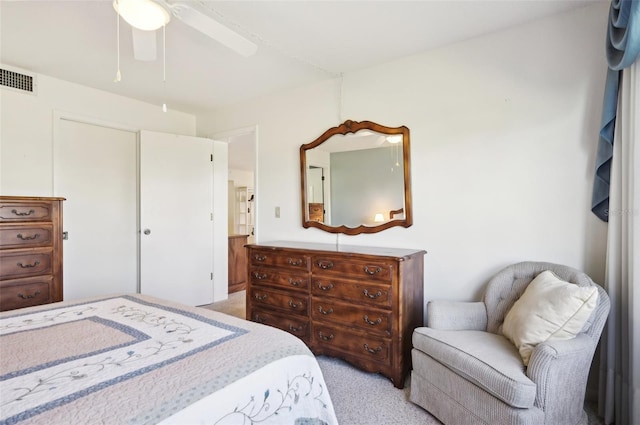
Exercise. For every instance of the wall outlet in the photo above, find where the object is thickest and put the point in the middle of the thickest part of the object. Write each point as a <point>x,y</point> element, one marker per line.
<point>277,212</point>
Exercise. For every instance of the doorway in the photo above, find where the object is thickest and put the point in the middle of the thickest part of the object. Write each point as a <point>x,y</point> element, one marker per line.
<point>244,196</point>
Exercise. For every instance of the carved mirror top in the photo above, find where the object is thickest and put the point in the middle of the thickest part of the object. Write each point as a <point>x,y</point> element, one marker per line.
<point>355,178</point>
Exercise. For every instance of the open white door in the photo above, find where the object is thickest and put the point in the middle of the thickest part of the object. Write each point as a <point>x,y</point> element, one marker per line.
<point>176,211</point>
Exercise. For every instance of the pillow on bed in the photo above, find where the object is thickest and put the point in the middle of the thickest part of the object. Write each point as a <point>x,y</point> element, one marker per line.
<point>549,309</point>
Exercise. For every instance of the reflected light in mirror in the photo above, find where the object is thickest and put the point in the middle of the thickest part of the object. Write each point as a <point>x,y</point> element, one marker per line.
<point>379,218</point>
<point>396,138</point>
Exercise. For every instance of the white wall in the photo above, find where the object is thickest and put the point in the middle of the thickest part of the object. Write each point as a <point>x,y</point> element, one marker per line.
<point>26,128</point>
<point>503,140</point>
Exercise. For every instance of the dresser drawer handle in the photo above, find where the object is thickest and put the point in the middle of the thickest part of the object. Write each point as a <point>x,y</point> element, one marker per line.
<point>373,270</point>
<point>28,238</point>
<point>325,312</point>
<point>260,297</point>
<point>294,329</point>
<point>325,337</point>
<point>370,295</point>
<point>22,214</point>
<point>325,288</point>
<point>259,257</point>
<point>259,318</point>
<point>325,264</point>
<point>295,261</point>
<point>28,266</point>
<point>293,304</point>
<point>372,323</point>
<point>371,350</point>
<point>260,276</point>
<point>295,282</point>
<point>28,297</point>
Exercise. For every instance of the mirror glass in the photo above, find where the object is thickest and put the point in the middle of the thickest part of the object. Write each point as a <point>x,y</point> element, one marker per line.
<point>355,179</point>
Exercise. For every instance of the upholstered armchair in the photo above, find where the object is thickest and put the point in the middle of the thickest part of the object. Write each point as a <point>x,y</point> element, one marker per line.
<point>466,371</point>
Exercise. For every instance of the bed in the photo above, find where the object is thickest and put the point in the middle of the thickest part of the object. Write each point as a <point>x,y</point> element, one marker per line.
<point>133,359</point>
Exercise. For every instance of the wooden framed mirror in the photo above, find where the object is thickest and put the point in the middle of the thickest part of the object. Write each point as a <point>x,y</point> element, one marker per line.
<point>355,178</point>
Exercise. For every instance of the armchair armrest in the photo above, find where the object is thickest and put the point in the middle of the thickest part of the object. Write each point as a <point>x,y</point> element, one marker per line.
<point>456,315</point>
<point>560,370</point>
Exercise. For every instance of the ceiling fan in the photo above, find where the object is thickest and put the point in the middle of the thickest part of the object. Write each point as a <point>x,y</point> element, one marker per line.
<point>146,16</point>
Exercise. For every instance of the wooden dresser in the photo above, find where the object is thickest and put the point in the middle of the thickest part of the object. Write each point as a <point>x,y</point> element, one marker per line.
<point>316,212</point>
<point>237,263</point>
<point>357,303</point>
<point>30,251</point>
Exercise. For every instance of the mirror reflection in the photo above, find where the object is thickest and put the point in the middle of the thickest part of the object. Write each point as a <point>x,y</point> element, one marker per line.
<point>356,179</point>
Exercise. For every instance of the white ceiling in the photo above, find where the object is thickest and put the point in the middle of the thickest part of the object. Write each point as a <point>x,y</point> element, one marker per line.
<point>299,42</point>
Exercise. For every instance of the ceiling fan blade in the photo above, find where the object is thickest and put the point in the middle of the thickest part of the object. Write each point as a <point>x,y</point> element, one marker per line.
<point>213,29</point>
<point>144,44</point>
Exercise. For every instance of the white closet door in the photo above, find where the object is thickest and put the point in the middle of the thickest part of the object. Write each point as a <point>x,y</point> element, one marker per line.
<point>176,207</point>
<point>95,169</point>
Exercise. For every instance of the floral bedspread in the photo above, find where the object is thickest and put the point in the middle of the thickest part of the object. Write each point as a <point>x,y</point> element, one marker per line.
<point>132,359</point>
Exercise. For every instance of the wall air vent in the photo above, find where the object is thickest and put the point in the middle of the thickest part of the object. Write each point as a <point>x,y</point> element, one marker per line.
<point>18,81</point>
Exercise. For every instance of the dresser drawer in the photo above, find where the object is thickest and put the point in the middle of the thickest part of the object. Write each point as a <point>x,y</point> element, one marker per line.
<point>278,259</point>
<point>25,292</point>
<point>364,346</point>
<point>25,263</point>
<point>374,269</point>
<point>23,211</point>
<point>279,277</point>
<point>357,291</point>
<point>362,317</point>
<point>16,236</point>
<point>287,303</point>
<point>294,324</point>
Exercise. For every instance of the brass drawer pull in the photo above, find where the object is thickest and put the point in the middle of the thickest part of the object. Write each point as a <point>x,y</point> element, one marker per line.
<point>373,270</point>
<point>260,276</point>
<point>28,266</point>
<point>23,214</point>
<point>371,350</point>
<point>325,288</point>
<point>28,238</point>
<point>260,297</point>
<point>377,322</point>
<point>259,318</point>
<point>325,337</point>
<point>370,295</point>
<point>325,312</point>
<point>28,297</point>
<point>259,257</point>
<point>295,262</point>
<point>295,282</point>
<point>294,329</point>
<point>293,304</point>
<point>325,264</point>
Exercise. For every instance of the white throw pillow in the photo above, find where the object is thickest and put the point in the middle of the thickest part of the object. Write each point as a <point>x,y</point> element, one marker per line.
<point>549,309</point>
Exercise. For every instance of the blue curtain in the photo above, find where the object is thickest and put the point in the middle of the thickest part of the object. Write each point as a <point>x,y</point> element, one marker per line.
<point>622,48</point>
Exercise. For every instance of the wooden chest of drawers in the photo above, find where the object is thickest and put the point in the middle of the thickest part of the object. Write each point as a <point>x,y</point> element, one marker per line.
<point>30,251</point>
<point>357,303</point>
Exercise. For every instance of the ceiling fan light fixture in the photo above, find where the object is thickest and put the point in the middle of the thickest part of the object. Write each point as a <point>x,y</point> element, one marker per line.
<point>145,15</point>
